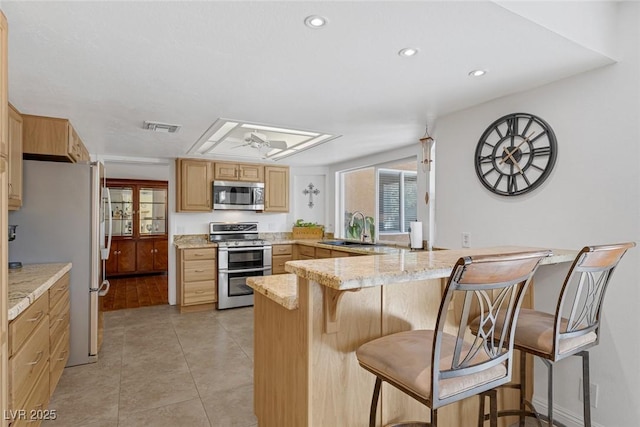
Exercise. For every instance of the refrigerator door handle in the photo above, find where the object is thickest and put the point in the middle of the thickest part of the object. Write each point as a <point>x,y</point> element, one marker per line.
<point>105,251</point>
<point>104,288</point>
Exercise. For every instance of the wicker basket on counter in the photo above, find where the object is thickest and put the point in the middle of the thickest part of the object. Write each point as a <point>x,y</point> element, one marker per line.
<point>308,232</point>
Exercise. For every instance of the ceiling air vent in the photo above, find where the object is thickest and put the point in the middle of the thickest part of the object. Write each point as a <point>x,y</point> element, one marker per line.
<point>161,127</point>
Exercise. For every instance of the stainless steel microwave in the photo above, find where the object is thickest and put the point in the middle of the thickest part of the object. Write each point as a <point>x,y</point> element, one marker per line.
<point>238,195</point>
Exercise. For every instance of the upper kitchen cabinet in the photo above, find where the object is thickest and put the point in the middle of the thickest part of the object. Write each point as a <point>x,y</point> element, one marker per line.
<point>15,159</point>
<point>193,189</point>
<point>276,195</point>
<point>50,138</point>
<point>238,172</point>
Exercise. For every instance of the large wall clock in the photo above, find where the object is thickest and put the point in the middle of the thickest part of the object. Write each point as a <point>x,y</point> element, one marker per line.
<point>515,154</point>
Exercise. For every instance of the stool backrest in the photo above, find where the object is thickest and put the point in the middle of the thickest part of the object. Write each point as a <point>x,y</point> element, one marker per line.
<point>582,294</point>
<point>481,286</point>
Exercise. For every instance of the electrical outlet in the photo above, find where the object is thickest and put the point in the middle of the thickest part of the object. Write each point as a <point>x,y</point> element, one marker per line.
<point>593,391</point>
<point>466,239</point>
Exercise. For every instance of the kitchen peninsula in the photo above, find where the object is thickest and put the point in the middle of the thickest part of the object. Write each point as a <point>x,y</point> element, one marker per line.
<point>309,324</point>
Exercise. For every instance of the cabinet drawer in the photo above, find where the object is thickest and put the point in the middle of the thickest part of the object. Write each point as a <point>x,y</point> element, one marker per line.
<point>195,271</point>
<point>23,325</point>
<point>200,292</point>
<point>37,402</point>
<point>277,263</point>
<point>323,253</point>
<point>340,254</point>
<point>59,290</point>
<point>307,251</point>
<point>58,359</point>
<point>198,254</point>
<point>27,364</point>
<point>58,323</point>
<point>281,250</point>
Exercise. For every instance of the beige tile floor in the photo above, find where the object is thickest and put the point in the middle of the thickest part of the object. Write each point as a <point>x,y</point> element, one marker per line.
<point>158,367</point>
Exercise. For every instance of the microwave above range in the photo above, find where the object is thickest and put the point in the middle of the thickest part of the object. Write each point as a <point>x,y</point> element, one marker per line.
<point>237,195</point>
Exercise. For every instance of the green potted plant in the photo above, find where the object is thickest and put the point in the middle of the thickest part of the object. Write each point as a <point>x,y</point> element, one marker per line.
<point>307,230</point>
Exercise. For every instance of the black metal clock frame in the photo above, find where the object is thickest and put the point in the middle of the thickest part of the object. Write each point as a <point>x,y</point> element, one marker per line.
<point>515,154</point>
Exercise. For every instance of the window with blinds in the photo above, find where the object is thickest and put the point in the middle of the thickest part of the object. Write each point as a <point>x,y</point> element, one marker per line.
<point>397,200</point>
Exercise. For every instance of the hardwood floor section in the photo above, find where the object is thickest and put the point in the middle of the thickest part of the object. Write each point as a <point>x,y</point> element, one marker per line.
<point>136,291</point>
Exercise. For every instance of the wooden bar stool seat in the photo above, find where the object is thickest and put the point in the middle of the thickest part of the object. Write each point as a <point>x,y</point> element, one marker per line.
<point>441,366</point>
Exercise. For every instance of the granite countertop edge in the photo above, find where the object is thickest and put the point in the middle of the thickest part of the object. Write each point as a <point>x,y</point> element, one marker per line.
<point>30,282</point>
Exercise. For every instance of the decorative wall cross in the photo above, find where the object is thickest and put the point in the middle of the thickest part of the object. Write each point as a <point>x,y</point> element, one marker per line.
<point>311,190</point>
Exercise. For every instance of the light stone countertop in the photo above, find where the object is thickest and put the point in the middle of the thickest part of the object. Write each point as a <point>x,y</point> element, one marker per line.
<point>193,241</point>
<point>358,272</point>
<point>280,288</point>
<point>31,281</point>
<point>403,266</point>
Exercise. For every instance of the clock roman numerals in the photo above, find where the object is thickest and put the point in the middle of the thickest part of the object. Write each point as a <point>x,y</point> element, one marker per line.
<point>515,154</point>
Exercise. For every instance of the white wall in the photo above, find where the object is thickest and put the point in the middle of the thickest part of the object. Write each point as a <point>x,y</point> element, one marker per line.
<point>592,197</point>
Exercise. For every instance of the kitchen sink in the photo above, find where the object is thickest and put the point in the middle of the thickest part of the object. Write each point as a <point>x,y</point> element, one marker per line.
<point>346,243</point>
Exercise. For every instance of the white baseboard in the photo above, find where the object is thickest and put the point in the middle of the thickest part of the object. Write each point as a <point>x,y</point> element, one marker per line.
<point>566,417</point>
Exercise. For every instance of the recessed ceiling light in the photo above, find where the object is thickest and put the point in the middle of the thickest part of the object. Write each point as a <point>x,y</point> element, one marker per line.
<point>315,21</point>
<point>408,51</point>
<point>477,73</point>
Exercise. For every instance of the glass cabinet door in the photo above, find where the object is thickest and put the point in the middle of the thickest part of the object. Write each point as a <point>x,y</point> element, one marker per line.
<point>122,210</point>
<point>153,211</point>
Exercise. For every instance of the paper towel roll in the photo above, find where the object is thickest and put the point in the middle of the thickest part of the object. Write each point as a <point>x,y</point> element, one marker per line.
<point>415,234</point>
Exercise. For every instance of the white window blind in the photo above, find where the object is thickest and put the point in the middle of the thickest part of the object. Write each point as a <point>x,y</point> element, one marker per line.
<point>397,200</point>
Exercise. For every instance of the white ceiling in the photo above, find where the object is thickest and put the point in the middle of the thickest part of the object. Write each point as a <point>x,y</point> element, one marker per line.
<point>109,66</point>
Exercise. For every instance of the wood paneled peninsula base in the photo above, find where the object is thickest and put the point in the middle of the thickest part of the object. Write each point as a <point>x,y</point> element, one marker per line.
<point>308,325</point>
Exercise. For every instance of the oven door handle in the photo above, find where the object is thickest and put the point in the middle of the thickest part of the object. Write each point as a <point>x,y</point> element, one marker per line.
<point>244,270</point>
<point>244,249</point>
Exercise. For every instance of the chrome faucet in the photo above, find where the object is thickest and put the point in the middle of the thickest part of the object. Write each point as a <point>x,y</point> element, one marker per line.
<point>363,233</point>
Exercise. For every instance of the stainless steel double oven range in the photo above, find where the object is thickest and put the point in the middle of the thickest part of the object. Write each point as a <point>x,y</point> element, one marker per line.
<point>241,254</point>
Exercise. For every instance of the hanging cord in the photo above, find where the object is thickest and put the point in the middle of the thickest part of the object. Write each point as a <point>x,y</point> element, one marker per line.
<point>426,141</point>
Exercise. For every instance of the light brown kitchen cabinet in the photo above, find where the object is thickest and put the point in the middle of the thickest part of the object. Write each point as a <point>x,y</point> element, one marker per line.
<point>51,138</point>
<point>196,278</point>
<point>193,185</point>
<point>304,252</point>
<point>122,258</point>
<point>15,159</point>
<point>276,184</point>
<point>29,355</point>
<point>152,255</point>
<point>4,215</point>
<point>238,172</point>
<point>59,318</point>
<point>39,350</point>
<point>280,254</point>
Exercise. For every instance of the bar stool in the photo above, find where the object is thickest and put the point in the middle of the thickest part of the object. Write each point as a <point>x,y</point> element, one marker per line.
<point>438,368</point>
<point>571,330</point>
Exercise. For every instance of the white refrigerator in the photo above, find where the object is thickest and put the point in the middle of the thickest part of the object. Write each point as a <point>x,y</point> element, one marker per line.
<point>65,217</point>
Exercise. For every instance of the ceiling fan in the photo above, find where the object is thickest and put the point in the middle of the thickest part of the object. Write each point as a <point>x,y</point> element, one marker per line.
<point>260,141</point>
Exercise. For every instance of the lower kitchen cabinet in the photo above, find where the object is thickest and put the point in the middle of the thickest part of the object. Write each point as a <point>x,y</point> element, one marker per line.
<point>280,254</point>
<point>151,255</point>
<point>196,278</point>
<point>38,350</point>
<point>122,258</point>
